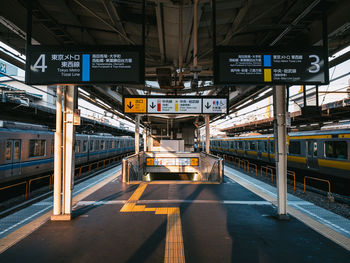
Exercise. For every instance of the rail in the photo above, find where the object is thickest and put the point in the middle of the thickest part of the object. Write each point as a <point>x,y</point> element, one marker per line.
<point>290,173</point>
<point>321,180</point>
<point>16,184</point>
<point>50,176</point>
<point>133,167</point>
<point>80,168</point>
<point>97,164</point>
<point>266,171</point>
<point>211,167</point>
<point>256,168</point>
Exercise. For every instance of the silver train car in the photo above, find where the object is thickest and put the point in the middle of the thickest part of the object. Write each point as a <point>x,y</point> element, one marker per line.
<point>324,152</point>
<point>30,152</point>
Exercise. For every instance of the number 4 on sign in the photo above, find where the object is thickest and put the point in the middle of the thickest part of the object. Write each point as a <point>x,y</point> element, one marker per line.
<point>41,66</point>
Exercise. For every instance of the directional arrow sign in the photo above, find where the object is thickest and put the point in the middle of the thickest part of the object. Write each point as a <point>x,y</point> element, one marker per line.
<point>153,105</point>
<point>208,105</point>
<point>217,105</point>
<point>130,105</point>
<point>135,105</point>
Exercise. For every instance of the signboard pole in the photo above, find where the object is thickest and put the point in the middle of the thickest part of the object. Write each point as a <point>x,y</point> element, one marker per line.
<point>137,134</point>
<point>57,204</point>
<point>29,25</point>
<point>207,134</point>
<point>281,150</point>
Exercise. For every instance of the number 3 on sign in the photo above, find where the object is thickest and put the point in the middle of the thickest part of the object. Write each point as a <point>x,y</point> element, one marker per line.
<point>40,63</point>
<point>315,66</point>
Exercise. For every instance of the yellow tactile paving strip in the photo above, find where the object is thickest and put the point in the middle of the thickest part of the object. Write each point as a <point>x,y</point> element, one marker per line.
<point>174,247</point>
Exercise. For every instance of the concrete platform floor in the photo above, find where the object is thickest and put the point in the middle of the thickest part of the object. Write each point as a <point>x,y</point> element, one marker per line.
<point>175,223</point>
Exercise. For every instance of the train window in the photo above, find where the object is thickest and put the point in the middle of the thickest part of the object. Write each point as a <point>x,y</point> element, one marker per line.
<point>272,147</point>
<point>37,148</point>
<point>294,148</point>
<point>91,145</point>
<point>17,151</point>
<point>103,145</point>
<point>118,144</point>
<point>84,146</point>
<point>311,148</point>
<point>97,145</point>
<point>77,146</point>
<point>8,153</point>
<point>253,146</point>
<point>262,146</point>
<point>52,147</point>
<point>240,145</point>
<point>336,149</point>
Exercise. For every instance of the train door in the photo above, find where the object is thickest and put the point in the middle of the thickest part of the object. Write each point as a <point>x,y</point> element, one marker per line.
<point>311,154</point>
<point>13,157</point>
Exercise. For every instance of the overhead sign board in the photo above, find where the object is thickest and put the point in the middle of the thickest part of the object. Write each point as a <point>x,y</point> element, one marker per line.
<point>84,65</point>
<point>216,105</point>
<point>135,105</point>
<point>249,65</point>
<point>174,105</point>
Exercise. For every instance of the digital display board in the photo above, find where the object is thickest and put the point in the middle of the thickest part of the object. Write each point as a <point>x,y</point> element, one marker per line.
<point>84,65</point>
<point>174,105</point>
<point>249,65</point>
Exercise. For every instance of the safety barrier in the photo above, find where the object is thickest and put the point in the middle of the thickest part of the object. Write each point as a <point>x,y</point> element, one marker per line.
<point>13,185</point>
<point>321,180</point>
<point>246,166</point>
<point>256,168</point>
<point>290,173</point>
<point>50,176</point>
<point>80,169</point>
<point>266,171</point>
<point>97,164</point>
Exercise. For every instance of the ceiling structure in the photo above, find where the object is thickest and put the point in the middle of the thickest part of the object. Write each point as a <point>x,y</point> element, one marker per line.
<point>285,23</point>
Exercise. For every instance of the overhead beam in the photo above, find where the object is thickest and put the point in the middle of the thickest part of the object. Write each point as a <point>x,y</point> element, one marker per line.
<point>67,8</point>
<point>237,21</point>
<point>160,27</point>
<point>113,15</point>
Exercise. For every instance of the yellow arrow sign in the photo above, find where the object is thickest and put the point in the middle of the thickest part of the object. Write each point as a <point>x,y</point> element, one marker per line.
<point>135,105</point>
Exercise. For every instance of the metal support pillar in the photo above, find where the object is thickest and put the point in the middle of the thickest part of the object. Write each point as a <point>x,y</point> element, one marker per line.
<point>281,150</point>
<point>63,211</point>
<point>69,151</point>
<point>207,134</point>
<point>57,204</point>
<point>137,134</point>
<point>144,133</point>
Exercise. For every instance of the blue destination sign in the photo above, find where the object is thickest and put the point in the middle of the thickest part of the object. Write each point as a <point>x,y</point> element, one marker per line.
<point>251,66</point>
<point>88,65</point>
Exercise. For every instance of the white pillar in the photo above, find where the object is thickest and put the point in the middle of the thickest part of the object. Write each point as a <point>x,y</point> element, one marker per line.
<point>144,139</point>
<point>57,205</point>
<point>69,151</point>
<point>137,134</point>
<point>207,134</point>
<point>280,149</point>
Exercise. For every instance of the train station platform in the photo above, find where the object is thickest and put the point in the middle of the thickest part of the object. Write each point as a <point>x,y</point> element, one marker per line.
<point>179,222</point>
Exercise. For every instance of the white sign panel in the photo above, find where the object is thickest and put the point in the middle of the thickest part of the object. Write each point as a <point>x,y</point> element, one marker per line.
<point>174,105</point>
<point>214,106</point>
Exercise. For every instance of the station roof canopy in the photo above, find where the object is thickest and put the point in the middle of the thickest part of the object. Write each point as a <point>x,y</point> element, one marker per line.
<point>285,23</point>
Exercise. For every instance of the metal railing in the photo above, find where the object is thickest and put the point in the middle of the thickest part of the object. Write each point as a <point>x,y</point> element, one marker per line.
<point>211,167</point>
<point>133,167</point>
<point>320,180</point>
<point>91,167</point>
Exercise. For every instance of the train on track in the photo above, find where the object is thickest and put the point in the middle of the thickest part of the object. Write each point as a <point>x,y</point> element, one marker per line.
<point>28,150</point>
<point>322,152</point>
